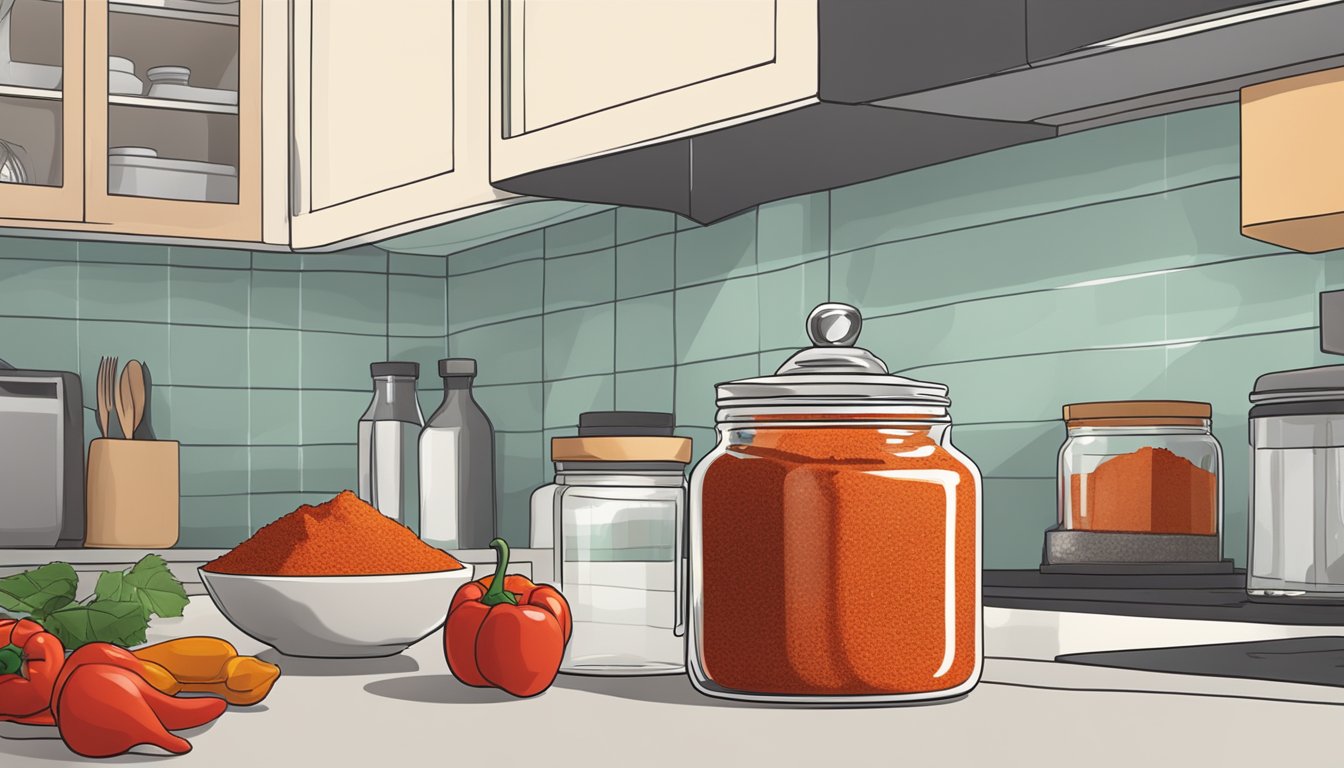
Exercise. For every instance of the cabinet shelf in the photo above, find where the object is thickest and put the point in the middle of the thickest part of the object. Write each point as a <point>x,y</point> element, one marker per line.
<point>23,92</point>
<point>177,105</point>
<point>185,10</point>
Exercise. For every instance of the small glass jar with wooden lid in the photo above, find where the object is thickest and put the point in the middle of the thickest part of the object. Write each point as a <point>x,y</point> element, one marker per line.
<point>1141,467</point>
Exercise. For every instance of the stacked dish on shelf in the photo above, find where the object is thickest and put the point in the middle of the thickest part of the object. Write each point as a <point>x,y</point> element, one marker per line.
<point>139,171</point>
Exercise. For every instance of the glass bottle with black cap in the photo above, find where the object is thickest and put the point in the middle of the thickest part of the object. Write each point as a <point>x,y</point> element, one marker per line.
<point>388,431</point>
<point>457,465</point>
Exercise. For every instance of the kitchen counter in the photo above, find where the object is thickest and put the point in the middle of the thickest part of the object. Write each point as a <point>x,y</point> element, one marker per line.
<point>1028,710</point>
<point>408,709</point>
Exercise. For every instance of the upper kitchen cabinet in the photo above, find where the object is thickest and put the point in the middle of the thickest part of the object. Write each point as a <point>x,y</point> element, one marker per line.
<point>1292,158</point>
<point>41,110</point>
<point>707,108</point>
<point>390,117</point>
<point>309,124</point>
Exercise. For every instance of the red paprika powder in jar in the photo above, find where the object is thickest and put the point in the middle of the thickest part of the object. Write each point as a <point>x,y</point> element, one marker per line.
<point>835,535</point>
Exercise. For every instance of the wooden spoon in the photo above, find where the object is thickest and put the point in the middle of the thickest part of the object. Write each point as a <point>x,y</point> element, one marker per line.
<point>136,372</point>
<point>124,403</point>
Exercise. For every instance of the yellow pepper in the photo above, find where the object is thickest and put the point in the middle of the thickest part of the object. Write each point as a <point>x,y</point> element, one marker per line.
<point>207,665</point>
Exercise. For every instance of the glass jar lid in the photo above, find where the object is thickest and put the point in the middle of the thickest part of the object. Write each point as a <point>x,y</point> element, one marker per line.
<point>833,373</point>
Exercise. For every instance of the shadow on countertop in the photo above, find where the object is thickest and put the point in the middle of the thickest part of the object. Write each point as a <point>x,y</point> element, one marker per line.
<point>303,666</point>
<point>435,689</point>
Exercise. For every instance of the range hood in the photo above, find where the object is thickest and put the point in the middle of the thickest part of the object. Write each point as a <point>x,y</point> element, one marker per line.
<point>1190,63</point>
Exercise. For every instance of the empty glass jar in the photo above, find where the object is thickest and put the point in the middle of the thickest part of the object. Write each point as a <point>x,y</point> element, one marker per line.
<point>619,514</point>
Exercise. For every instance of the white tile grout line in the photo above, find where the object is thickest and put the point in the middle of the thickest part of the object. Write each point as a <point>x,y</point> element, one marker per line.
<point>248,364</point>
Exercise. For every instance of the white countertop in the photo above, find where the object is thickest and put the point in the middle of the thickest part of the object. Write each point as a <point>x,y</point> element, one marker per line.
<point>408,710</point>
<point>1028,709</point>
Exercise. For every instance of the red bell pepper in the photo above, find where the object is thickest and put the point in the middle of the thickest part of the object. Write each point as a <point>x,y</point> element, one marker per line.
<point>30,661</point>
<point>507,632</point>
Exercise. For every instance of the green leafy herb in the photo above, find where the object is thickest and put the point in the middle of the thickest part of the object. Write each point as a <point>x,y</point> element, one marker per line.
<point>117,612</point>
<point>148,582</point>
<point>39,591</point>
<point>108,621</point>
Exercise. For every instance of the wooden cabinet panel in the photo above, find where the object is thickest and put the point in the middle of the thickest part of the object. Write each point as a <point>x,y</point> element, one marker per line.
<point>584,78</point>
<point>382,92</point>
<point>580,57</point>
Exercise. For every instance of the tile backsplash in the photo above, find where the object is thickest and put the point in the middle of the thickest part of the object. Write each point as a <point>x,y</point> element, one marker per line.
<point>1100,265</point>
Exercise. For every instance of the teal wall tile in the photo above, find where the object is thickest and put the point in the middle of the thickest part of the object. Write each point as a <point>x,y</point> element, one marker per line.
<point>792,231</point>
<point>580,280</point>
<point>274,418</point>
<point>214,258</point>
<point>580,342</point>
<point>208,296</point>
<point>696,382</point>
<point>506,353</point>
<point>565,400</point>
<point>1246,296</point>
<point>343,301</point>
<point>1014,449</point>
<point>273,358</point>
<point>123,253</point>
<point>640,223</point>
<point>417,307</point>
<point>587,234</point>
<point>274,469</point>
<point>266,507</point>
<point>650,390</point>
<point>647,266</point>
<point>1203,144</point>
<point>39,248</point>
<point>214,523</point>
<point>339,361</point>
<point>364,258</point>
<point>329,469</point>
<point>38,288</point>
<point>212,357</point>
<point>274,301</point>
<point>644,332</point>
<point>787,296</point>
<point>722,250</point>
<point>494,295</point>
<point>519,468</point>
<point>415,264</point>
<point>213,470</point>
<point>272,260</point>
<point>34,342</point>
<point>332,417</point>
<point>772,360</point>
<point>158,416</point>
<point>123,292</point>
<point>211,416</point>
<point>426,352</point>
<point>511,407</point>
<point>509,250</point>
<point>1016,514</point>
<point>718,320</point>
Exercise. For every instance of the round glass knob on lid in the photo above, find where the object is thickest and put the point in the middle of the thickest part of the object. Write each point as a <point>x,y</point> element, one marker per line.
<point>832,372</point>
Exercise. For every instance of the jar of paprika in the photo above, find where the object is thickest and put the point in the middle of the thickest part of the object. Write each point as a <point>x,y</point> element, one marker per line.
<point>835,535</point>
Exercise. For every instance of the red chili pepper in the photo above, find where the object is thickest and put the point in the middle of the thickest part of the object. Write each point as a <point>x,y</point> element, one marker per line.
<point>107,710</point>
<point>507,632</point>
<point>94,653</point>
<point>30,661</point>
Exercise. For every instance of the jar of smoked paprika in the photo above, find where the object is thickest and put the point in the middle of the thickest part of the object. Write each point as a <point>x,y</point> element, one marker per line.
<point>835,535</point>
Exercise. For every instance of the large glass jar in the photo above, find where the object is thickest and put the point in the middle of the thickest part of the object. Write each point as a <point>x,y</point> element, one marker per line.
<point>1141,466</point>
<point>835,535</point>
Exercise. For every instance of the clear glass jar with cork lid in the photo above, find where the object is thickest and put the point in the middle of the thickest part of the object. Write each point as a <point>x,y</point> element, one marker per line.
<point>1148,468</point>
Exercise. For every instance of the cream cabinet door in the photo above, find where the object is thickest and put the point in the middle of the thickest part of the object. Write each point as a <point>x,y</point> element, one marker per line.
<point>390,104</point>
<point>579,78</point>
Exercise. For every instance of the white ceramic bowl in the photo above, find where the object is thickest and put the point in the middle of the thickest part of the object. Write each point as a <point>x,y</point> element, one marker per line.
<point>336,616</point>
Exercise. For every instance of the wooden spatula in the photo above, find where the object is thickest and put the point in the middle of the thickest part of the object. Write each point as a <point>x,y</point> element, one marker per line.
<point>136,373</point>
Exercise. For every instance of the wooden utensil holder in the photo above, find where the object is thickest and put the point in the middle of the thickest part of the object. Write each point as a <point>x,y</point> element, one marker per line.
<point>132,494</point>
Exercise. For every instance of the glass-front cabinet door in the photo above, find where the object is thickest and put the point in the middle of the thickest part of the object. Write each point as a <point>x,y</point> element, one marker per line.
<point>174,120</point>
<point>41,110</point>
